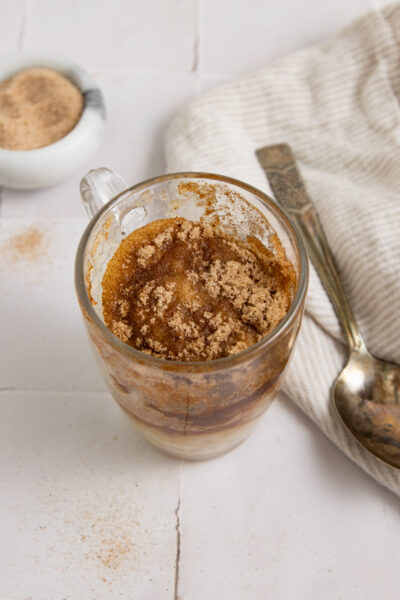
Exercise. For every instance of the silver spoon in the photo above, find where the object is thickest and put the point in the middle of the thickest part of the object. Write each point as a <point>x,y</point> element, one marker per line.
<point>367,392</point>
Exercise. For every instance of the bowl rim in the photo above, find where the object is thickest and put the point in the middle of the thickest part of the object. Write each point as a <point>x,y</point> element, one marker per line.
<point>171,365</point>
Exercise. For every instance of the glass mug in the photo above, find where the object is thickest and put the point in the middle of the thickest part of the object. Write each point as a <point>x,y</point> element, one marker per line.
<point>193,410</point>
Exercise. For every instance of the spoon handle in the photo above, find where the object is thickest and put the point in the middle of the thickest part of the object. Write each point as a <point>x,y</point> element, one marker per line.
<point>280,168</point>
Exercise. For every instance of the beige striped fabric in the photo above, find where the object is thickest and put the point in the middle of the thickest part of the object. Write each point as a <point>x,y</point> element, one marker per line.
<point>337,105</point>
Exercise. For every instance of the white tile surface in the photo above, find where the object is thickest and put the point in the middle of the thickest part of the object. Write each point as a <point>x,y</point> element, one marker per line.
<point>286,515</point>
<point>237,37</point>
<point>62,200</point>
<point>148,35</point>
<point>87,507</point>
<point>44,345</point>
<point>208,82</point>
<point>12,19</point>
<point>139,107</point>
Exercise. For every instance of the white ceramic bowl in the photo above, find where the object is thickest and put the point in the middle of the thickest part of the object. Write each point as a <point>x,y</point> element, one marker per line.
<point>52,163</point>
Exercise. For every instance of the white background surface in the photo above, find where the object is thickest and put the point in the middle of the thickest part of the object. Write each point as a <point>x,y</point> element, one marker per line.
<point>88,510</point>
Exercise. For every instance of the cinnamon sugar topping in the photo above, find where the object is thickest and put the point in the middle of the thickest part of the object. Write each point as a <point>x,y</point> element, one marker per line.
<point>181,290</point>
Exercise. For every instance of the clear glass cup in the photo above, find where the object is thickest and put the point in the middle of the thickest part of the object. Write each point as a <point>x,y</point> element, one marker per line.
<point>194,410</point>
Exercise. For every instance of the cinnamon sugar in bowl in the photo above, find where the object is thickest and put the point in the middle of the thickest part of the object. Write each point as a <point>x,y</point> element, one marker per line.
<point>38,107</point>
<point>52,118</point>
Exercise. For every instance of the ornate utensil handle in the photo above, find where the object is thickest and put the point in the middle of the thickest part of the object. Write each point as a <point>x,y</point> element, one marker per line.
<point>280,168</point>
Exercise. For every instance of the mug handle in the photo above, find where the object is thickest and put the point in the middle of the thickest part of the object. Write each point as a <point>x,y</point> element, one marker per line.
<point>98,187</point>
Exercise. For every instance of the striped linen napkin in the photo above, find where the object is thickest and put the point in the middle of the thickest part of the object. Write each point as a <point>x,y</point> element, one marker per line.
<point>337,105</point>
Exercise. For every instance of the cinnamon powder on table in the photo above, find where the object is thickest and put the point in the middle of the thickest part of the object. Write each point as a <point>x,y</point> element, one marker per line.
<point>38,107</point>
<point>181,290</point>
<point>28,245</point>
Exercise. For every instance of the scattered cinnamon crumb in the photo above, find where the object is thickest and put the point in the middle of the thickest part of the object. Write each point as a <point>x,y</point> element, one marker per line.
<point>185,328</point>
<point>123,306</point>
<point>145,292</point>
<point>193,277</point>
<point>144,254</point>
<point>162,295</point>
<point>121,330</point>
<point>163,238</point>
<point>144,329</point>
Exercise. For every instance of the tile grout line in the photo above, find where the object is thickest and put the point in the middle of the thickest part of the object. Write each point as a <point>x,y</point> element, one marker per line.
<point>22,31</point>
<point>178,531</point>
<point>72,393</point>
<point>135,70</point>
<point>178,515</point>
<point>196,41</point>
<point>197,48</point>
<point>178,545</point>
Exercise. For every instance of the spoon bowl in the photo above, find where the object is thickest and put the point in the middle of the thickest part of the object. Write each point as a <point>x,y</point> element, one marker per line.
<point>366,395</point>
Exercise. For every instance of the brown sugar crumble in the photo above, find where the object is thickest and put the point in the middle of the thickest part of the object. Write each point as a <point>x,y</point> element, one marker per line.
<point>38,107</point>
<point>181,290</point>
